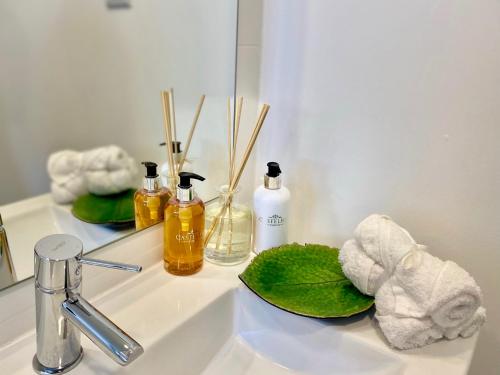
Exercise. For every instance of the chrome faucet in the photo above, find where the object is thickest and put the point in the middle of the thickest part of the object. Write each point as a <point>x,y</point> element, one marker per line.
<point>7,276</point>
<point>62,313</point>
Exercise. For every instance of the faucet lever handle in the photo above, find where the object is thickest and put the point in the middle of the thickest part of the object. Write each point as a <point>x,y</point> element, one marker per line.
<point>108,264</point>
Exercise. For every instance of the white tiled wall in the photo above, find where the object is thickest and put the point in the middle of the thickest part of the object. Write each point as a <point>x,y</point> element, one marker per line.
<point>390,107</point>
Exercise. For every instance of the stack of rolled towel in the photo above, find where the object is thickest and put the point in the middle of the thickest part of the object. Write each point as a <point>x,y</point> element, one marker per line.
<point>101,171</point>
<point>419,298</point>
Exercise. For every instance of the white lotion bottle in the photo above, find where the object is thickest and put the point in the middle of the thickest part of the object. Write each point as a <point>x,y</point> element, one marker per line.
<point>270,203</point>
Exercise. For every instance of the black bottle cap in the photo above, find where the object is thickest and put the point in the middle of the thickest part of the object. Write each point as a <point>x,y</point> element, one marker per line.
<point>176,146</point>
<point>150,169</point>
<point>273,169</point>
<point>185,179</point>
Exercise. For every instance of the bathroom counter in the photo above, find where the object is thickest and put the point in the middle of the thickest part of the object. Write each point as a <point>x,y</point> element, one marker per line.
<point>210,323</point>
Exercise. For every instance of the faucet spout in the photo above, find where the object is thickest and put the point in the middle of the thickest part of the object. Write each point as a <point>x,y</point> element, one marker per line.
<point>101,331</point>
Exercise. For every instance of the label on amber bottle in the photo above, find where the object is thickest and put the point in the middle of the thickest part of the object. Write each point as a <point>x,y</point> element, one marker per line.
<point>187,237</point>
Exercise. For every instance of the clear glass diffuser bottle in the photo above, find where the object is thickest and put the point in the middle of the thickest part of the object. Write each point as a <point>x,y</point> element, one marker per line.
<point>230,239</point>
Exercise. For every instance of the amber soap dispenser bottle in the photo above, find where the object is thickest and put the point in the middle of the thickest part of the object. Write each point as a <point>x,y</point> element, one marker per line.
<point>150,201</point>
<point>184,229</point>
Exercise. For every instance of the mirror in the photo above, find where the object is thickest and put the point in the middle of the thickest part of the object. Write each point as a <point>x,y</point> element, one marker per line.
<point>85,74</point>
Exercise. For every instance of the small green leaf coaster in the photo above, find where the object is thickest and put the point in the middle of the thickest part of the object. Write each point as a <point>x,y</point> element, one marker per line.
<point>105,209</point>
<point>305,280</point>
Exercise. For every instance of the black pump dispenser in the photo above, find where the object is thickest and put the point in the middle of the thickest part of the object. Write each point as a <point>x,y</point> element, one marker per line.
<point>185,179</point>
<point>151,179</point>
<point>273,169</point>
<point>176,146</point>
<point>150,169</point>
<point>272,179</point>
<point>185,190</point>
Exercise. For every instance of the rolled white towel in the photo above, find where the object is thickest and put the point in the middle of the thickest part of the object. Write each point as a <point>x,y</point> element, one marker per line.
<point>419,298</point>
<point>425,285</point>
<point>104,170</point>
<point>107,158</point>
<point>400,330</point>
<point>64,165</point>
<point>405,302</point>
<point>408,333</point>
<point>391,299</point>
<point>67,192</point>
<point>64,169</point>
<point>364,273</point>
<point>111,182</point>
<point>469,327</point>
<point>412,283</point>
<point>455,297</point>
<point>384,241</point>
<point>108,170</point>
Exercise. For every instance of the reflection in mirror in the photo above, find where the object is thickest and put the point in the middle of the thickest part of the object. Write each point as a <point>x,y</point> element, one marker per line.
<point>80,109</point>
<point>7,276</point>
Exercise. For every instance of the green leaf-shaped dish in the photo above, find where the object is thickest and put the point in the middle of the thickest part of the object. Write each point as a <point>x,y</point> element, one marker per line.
<point>105,209</point>
<point>305,280</point>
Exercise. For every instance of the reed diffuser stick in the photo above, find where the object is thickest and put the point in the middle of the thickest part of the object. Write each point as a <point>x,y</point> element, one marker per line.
<point>230,240</point>
<point>239,107</point>
<point>255,134</point>
<point>219,235</point>
<point>229,139</point>
<point>215,223</point>
<point>173,127</point>
<point>237,176</point>
<point>230,169</point>
<point>191,132</point>
<point>172,112</point>
<point>236,130</point>
<point>165,96</point>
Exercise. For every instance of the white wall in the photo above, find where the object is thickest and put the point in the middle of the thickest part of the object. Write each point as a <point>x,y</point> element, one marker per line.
<point>391,107</point>
<point>74,74</point>
<point>247,85</point>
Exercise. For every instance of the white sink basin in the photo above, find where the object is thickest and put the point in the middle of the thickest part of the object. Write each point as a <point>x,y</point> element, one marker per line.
<point>240,334</point>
